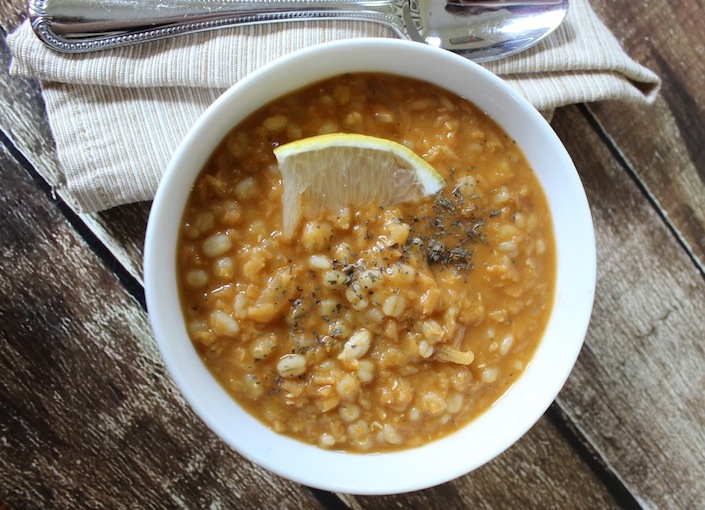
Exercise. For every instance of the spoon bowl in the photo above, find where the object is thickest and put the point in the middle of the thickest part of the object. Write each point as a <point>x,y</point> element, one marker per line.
<point>480,30</point>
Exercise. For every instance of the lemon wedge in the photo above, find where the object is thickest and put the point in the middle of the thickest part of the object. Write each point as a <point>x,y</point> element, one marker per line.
<point>340,170</point>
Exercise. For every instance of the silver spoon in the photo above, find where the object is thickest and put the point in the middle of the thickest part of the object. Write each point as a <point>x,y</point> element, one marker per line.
<point>481,30</point>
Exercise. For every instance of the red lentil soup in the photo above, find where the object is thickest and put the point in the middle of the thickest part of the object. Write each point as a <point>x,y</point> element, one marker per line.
<point>373,329</point>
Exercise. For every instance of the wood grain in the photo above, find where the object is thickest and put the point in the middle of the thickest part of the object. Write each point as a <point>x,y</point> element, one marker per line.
<point>636,392</point>
<point>663,144</point>
<point>543,456</point>
<point>540,471</point>
<point>90,418</point>
<point>89,415</point>
<point>11,13</point>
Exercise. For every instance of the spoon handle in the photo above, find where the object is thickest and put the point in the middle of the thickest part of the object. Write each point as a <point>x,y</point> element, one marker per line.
<point>80,26</point>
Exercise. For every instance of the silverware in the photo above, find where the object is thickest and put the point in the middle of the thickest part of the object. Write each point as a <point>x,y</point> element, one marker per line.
<point>478,29</point>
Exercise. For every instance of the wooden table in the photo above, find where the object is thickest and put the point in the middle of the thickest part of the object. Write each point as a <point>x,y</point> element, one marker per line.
<point>90,419</point>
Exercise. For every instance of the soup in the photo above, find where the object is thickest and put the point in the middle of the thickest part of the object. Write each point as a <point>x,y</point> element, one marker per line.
<point>371,329</point>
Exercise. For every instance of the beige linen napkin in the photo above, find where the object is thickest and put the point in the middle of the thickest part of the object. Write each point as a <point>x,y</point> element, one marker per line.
<point>118,115</point>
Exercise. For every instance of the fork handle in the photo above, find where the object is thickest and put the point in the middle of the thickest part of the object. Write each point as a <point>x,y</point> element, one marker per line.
<point>80,26</point>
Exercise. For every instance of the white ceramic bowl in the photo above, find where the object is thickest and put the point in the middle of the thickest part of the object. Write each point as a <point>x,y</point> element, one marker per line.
<point>509,418</point>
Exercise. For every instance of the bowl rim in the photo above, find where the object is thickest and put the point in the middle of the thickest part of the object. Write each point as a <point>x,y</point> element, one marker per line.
<point>523,404</point>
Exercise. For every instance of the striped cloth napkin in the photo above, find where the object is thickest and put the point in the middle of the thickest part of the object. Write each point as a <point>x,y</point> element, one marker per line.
<point>118,115</point>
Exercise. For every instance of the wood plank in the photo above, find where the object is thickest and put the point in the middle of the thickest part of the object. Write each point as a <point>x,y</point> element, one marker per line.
<point>90,417</point>
<point>626,395</point>
<point>636,392</point>
<point>122,229</point>
<point>663,143</point>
